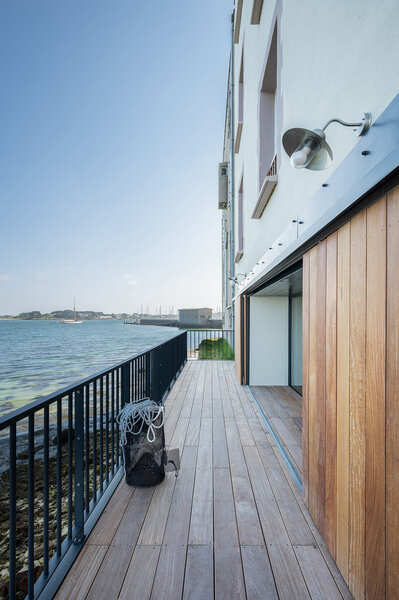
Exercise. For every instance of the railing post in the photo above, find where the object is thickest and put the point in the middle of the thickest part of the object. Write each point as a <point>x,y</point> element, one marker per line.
<point>79,468</point>
<point>155,377</point>
<point>125,391</point>
<point>148,374</point>
<point>184,349</point>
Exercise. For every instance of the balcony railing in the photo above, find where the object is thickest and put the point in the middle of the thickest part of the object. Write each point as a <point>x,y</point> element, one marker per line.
<point>266,190</point>
<point>210,344</point>
<point>64,463</point>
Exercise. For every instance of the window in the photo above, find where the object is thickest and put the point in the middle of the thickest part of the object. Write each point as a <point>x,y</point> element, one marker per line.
<point>267,130</point>
<point>240,222</point>
<point>237,23</point>
<point>240,106</point>
<point>256,12</point>
<point>267,112</point>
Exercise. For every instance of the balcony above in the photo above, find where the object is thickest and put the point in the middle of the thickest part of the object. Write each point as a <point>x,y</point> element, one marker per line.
<point>266,190</point>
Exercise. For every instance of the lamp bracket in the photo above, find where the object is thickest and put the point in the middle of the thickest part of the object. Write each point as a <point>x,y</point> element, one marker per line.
<point>363,126</point>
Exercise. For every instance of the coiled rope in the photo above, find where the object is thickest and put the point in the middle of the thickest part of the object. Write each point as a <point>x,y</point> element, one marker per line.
<point>133,417</point>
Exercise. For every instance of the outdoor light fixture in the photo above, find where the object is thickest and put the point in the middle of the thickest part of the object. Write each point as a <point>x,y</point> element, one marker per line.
<point>308,149</point>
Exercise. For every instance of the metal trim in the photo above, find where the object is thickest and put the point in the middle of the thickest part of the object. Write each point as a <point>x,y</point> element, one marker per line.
<point>295,475</point>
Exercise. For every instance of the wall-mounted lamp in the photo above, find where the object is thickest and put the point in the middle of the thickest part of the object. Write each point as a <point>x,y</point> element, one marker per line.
<point>308,149</point>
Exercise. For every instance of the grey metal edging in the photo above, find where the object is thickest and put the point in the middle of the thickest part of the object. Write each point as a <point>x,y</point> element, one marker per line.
<point>295,475</point>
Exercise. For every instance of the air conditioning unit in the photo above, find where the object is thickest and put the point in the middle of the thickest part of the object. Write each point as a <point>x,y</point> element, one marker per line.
<point>223,184</point>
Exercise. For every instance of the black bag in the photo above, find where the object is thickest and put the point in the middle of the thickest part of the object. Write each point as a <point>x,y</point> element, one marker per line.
<point>143,443</point>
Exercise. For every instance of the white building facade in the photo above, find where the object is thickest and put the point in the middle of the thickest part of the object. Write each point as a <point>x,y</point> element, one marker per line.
<point>298,64</point>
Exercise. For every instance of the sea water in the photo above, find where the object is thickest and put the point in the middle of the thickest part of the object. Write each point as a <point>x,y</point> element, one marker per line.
<point>39,357</point>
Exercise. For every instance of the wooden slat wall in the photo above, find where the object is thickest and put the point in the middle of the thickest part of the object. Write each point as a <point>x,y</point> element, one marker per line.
<point>351,397</point>
<point>330,532</point>
<point>392,399</point>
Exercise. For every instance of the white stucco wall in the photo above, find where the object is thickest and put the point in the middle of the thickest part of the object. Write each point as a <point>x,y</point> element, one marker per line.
<point>336,59</point>
<point>268,340</point>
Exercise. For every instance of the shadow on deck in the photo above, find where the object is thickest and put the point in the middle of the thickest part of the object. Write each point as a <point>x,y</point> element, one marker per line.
<point>231,526</point>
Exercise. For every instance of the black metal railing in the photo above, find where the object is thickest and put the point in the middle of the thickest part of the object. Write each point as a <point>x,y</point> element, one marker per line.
<point>210,344</point>
<point>64,462</point>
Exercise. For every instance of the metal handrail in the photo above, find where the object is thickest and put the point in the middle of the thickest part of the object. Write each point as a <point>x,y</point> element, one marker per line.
<point>81,473</point>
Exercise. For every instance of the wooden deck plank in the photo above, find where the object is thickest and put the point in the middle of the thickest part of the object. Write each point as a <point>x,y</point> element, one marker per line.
<point>296,525</point>
<point>130,525</point>
<point>258,574</point>
<point>225,526</point>
<point>205,444</point>
<point>217,406</point>
<point>169,576</point>
<point>178,522</point>
<point>109,578</point>
<point>140,574</point>
<point>249,529</point>
<point>201,526</point>
<point>289,580</point>
<point>154,525</point>
<point>113,513</point>
<point>317,576</point>
<point>193,431</point>
<point>229,579</point>
<point>220,454</point>
<point>198,580</point>
<point>82,573</point>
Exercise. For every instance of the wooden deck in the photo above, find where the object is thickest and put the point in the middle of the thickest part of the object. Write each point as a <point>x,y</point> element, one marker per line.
<point>283,407</point>
<point>231,526</point>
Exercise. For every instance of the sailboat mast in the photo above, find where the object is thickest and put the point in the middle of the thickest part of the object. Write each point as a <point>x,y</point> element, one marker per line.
<point>74,308</point>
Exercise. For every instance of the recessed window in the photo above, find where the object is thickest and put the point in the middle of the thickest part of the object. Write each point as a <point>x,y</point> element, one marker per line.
<point>240,105</point>
<point>256,12</point>
<point>267,112</point>
<point>237,21</point>
<point>267,130</point>
<point>240,222</point>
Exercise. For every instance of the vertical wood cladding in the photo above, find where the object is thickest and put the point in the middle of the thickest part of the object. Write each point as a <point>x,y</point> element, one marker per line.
<point>351,397</point>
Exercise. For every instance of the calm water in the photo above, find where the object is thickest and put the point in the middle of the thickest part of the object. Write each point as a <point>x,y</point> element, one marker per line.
<point>39,357</point>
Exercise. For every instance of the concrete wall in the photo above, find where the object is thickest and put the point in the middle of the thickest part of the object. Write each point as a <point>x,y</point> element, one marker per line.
<point>268,341</point>
<point>335,58</point>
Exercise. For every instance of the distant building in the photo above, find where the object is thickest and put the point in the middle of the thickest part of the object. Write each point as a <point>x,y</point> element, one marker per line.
<point>194,317</point>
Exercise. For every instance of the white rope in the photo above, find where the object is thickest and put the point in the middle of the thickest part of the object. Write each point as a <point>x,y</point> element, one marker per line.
<point>135,415</point>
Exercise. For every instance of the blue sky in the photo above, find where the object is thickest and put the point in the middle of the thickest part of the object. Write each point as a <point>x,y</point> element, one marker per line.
<point>111,120</point>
